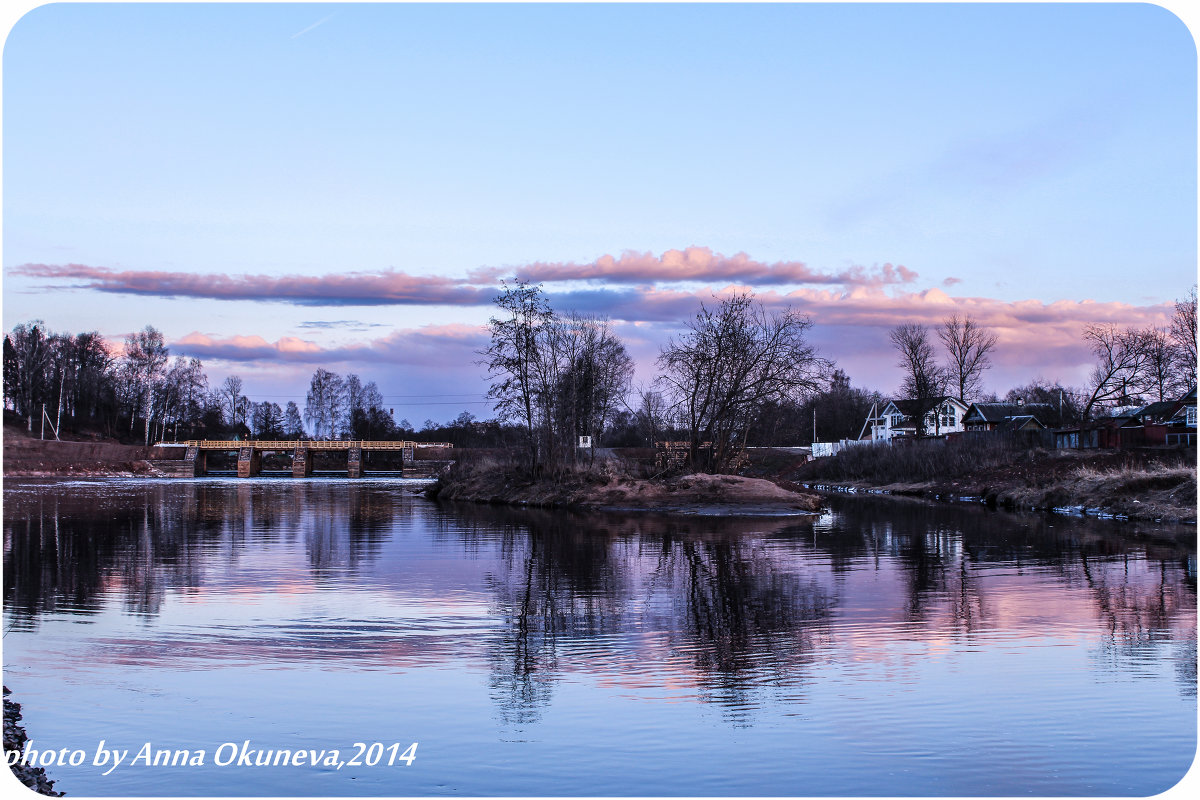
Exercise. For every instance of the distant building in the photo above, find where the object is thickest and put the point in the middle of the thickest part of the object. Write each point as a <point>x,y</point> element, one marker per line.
<point>993,416</point>
<point>897,419</point>
<point>1165,423</point>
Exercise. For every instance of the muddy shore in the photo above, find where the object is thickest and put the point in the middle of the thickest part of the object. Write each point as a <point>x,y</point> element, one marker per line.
<point>606,490</point>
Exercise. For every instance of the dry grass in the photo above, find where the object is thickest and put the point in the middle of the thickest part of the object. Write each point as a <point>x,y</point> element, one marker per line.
<point>1143,484</point>
<point>919,460</point>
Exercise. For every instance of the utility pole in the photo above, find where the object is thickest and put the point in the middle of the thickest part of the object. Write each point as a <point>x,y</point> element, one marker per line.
<point>43,436</point>
<point>814,422</point>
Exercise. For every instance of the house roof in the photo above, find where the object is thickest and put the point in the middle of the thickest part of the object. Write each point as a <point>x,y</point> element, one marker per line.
<point>1020,422</point>
<point>911,407</point>
<point>996,413</point>
<point>1163,408</point>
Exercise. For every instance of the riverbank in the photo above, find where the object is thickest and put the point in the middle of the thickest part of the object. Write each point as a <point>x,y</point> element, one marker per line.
<point>1138,485</point>
<point>29,457</point>
<point>613,485</point>
<point>14,739</point>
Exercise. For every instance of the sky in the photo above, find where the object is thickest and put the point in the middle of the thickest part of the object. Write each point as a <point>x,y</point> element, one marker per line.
<point>278,187</point>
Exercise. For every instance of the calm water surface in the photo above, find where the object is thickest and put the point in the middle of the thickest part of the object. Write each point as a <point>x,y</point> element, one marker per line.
<point>884,648</point>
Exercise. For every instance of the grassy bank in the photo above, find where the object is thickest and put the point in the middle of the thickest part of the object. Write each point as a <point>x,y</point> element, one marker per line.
<point>30,456</point>
<point>1139,484</point>
<point>610,482</point>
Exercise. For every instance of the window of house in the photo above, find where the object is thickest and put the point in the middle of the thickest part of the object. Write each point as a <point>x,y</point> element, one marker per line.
<point>1191,415</point>
<point>896,420</point>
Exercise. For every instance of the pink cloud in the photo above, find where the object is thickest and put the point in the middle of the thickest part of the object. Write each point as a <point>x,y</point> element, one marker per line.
<point>393,287</point>
<point>701,263</point>
<point>851,327</point>
<point>429,345</point>
<point>388,287</point>
<point>851,310</point>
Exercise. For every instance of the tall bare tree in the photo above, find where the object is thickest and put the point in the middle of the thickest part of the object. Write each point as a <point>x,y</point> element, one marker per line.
<point>145,359</point>
<point>325,402</point>
<point>1162,379</point>
<point>266,420</point>
<point>1122,362</point>
<point>924,381</point>
<point>27,381</point>
<point>1183,333</point>
<point>231,398</point>
<point>731,361</point>
<point>967,346</point>
<point>513,359</point>
<point>593,375</point>
<point>292,424</point>
<point>651,413</point>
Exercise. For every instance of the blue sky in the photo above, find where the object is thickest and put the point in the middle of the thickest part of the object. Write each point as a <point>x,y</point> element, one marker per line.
<point>1032,164</point>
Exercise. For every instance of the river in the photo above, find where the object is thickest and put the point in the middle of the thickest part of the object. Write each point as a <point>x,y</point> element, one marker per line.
<point>885,647</point>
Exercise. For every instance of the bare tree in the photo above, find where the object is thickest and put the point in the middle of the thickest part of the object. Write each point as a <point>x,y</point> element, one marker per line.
<point>26,381</point>
<point>1122,357</point>
<point>145,357</point>
<point>367,418</point>
<point>1183,333</point>
<point>513,359</point>
<point>292,424</point>
<point>325,402</point>
<point>267,420</point>
<point>924,380</point>
<point>593,374</point>
<point>651,413</point>
<point>354,394</point>
<point>180,393</point>
<point>231,398</point>
<point>1162,379</point>
<point>967,345</point>
<point>732,360</point>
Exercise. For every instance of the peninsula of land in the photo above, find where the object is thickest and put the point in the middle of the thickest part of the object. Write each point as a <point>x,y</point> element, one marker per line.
<point>611,487</point>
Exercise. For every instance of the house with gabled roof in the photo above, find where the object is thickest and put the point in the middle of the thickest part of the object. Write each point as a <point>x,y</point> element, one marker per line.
<point>1168,422</point>
<point>897,419</point>
<point>993,416</point>
<point>1181,427</point>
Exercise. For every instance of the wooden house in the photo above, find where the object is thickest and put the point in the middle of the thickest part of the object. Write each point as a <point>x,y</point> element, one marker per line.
<point>897,419</point>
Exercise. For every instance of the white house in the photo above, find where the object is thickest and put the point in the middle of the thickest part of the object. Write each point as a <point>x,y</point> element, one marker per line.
<point>896,419</point>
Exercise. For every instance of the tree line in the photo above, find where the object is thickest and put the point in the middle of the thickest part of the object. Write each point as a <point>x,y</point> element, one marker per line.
<point>74,379</point>
<point>76,382</point>
<point>1133,365</point>
<point>736,375</point>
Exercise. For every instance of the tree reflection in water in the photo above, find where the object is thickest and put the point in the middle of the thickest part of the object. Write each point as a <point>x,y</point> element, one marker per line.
<point>750,603</point>
<point>728,611</point>
<point>621,593</point>
<point>67,550</point>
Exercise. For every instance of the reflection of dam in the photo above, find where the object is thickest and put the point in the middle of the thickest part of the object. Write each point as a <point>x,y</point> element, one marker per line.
<point>300,458</point>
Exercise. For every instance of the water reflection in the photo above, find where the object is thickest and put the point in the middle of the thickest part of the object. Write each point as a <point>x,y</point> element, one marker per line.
<point>733,612</point>
<point>68,549</point>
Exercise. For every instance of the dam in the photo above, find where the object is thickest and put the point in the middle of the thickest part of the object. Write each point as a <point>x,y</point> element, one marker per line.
<point>303,452</point>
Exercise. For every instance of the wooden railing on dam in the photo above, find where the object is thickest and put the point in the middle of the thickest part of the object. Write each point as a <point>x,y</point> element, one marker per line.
<point>311,444</point>
<point>250,452</point>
